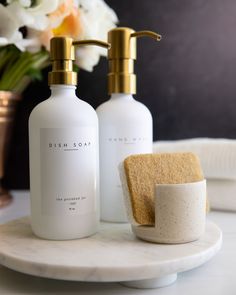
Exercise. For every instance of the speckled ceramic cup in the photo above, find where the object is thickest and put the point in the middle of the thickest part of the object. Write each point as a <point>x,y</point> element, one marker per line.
<point>180,212</point>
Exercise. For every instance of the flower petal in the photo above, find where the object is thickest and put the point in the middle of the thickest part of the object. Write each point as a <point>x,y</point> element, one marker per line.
<point>45,6</point>
<point>3,41</point>
<point>20,14</point>
<point>9,27</point>
<point>87,57</point>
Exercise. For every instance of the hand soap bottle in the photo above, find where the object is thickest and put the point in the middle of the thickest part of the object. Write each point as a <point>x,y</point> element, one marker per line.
<point>63,142</point>
<point>125,125</point>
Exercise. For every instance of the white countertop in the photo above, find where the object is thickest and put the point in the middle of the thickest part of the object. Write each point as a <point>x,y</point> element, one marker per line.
<point>215,277</point>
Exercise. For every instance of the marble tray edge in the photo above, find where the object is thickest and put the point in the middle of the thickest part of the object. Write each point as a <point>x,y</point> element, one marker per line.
<point>15,263</point>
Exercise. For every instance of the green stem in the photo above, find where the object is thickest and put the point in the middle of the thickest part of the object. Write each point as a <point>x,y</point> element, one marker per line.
<point>18,70</point>
<point>18,67</point>
<point>6,57</point>
<point>37,63</point>
<point>9,76</point>
<point>20,87</point>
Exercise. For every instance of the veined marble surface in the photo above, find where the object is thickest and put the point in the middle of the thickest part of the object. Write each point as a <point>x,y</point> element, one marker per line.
<point>114,254</point>
<point>215,277</point>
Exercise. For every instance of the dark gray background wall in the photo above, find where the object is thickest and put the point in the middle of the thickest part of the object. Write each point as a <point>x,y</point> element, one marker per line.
<point>187,80</point>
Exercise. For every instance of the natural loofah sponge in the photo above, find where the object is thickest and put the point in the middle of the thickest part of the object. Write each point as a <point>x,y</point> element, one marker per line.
<point>140,173</point>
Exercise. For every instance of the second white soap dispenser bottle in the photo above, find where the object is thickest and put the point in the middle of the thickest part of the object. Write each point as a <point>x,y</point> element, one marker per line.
<point>125,125</point>
<point>63,142</point>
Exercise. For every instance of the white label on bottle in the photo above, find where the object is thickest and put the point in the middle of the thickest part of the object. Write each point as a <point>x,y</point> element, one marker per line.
<point>117,144</point>
<point>68,170</point>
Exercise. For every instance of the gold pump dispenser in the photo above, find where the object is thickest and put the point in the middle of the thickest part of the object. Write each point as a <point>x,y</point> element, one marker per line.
<point>121,56</point>
<point>62,54</point>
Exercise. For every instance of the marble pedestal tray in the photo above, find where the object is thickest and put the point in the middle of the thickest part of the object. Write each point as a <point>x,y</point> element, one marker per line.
<point>112,255</point>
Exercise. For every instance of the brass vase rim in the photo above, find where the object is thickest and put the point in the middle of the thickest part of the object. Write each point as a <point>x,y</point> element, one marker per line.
<point>10,95</point>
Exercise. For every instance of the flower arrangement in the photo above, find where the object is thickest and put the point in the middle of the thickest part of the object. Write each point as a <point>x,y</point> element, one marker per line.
<point>27,26</point>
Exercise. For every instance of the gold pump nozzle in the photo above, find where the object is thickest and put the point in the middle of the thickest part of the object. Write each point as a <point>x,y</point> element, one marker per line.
<point>62,54</point>
<point>92,42</point>
<point>150,34</point>
<point>121,56</point>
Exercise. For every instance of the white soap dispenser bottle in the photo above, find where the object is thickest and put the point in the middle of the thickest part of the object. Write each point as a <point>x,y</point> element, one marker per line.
<point>63,143</point>
<point>125,125</point>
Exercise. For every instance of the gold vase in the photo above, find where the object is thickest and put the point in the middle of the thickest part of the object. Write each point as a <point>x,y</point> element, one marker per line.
<point>8,104</point>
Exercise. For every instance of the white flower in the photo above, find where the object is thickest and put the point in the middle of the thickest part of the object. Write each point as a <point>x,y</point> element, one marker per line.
<point>9,29</point>
<point>37,39</point>
<point>33,17</point>
<point>93,19</point>
<point>25,3</point>
<point>97,19</point>
<point>87,57</point>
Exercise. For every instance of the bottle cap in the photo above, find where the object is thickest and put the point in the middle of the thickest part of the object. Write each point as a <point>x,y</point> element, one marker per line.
<point>62,54</point>
<point>121,56</point>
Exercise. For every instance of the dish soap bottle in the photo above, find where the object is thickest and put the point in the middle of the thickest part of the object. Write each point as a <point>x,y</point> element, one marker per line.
<point>125,125</point>
<point>63,142</point>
